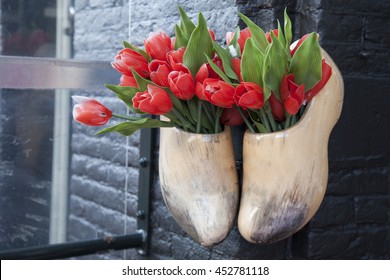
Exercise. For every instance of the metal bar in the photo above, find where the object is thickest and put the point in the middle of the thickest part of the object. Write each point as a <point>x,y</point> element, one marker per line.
<point>145,181</point>
<point>49,73</point>
<point>74,249</point>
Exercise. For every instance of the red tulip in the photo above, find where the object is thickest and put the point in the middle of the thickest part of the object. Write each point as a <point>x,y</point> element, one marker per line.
<point>277,108</point>
<point>231,116</point>
<point>128,59</point>
<point>229,37</point>
<point>299,43</point>
<point>159,71</point>
<point>88,111</point>
<point>268,35</point>
<point>212,34</point>
<point>212,73</point>
<point>291,94</point>
<point>203,73</point>
<point>157,45</point>
<point>154,101</point>
<point>181,84</point>
<point>128,81</point>
<point>249,95</point>
<point>326,73</point>
<point>244,35</point>
<point>236,64</point>
<point>218,92</point>
<point>175,59</point>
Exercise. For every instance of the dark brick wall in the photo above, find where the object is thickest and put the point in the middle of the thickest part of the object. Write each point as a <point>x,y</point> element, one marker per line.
<point>353,220</point>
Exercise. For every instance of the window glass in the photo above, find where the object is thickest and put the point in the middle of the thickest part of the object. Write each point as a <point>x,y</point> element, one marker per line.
<point>28,28</point>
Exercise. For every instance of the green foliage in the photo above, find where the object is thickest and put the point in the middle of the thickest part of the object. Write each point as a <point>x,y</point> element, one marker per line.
<point>199,45</point>
<point>127,128</point>
<point>306,62</point>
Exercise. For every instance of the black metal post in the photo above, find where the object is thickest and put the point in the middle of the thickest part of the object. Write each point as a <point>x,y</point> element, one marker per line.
<point>74,249</point>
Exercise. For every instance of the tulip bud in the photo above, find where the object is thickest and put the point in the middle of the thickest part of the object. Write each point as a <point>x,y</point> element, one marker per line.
<point>88,111</point>
<point>154,101</point>
<point>157,45</point>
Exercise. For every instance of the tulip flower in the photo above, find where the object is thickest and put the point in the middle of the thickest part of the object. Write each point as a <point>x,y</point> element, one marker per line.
<point>236,64</point>
<point>277,108</point>
<point>159,71</point>
<point>231,116</point>
<point>268,35</point>
<point>154,101</point>
<point>128,81</point>
<point>303,38</point>
<point>181,84</point>
<point>218,92</point>
<point>157,45</point>
<point>175,59</point>
<point>88,111</point>
<point>244,35</point>
<point>326,73</point>
<point>128,59</point>
<point>291,94</point>
<point>249,95</point>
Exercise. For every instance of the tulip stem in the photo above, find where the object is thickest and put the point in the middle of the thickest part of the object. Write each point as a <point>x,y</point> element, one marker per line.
<point>264,120</point>
<point>198,124</point>
<point>287,123</point>
<point>125,117</point>
<point>185,124</point>
<point>207,112</point>
<point>218,113</point>
<point>271,119</point>
<point>248,124</point>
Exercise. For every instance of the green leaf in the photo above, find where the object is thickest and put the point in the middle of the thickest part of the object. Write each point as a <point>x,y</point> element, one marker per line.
<point>234,42</point>
<point>129,127</point>
<point>181,38</point>
<point>281,37</point>
<point>277,61</point>
<point>306,64</point>
<point>226,61</point>
<point>287,29</point>
<point>141,82</point>
<point>258,34</point>
<point>218,70</point>
<point>252,63</point>
<point>125,94</point>
<point>138,50</point>
<point>199,44</point>
<point>259,126</point>
<point>185,23</point>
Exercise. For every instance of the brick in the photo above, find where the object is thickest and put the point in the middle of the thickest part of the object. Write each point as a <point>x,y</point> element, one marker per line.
<point>186,249</point>
<point>354,135</point>
<point>372,209</point>
<point>109,221</point>
<point>340,28</point>
<point>334,211</point>
<point>359,181</point>
<point>80,229</point>
<point>98,193</point>
<point>350,6</point>
<point>375,34</point>
<point>358,59</point>
<point>352,243</point>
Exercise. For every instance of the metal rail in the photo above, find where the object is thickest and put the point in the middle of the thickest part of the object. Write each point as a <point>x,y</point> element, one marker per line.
<point>50,73</point>
<point>75,249</point>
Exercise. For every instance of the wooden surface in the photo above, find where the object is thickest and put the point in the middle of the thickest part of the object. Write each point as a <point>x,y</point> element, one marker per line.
<point>285,173</point>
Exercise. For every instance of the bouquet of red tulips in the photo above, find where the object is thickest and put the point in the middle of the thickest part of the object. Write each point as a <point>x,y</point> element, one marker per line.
<point>199,85</point>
